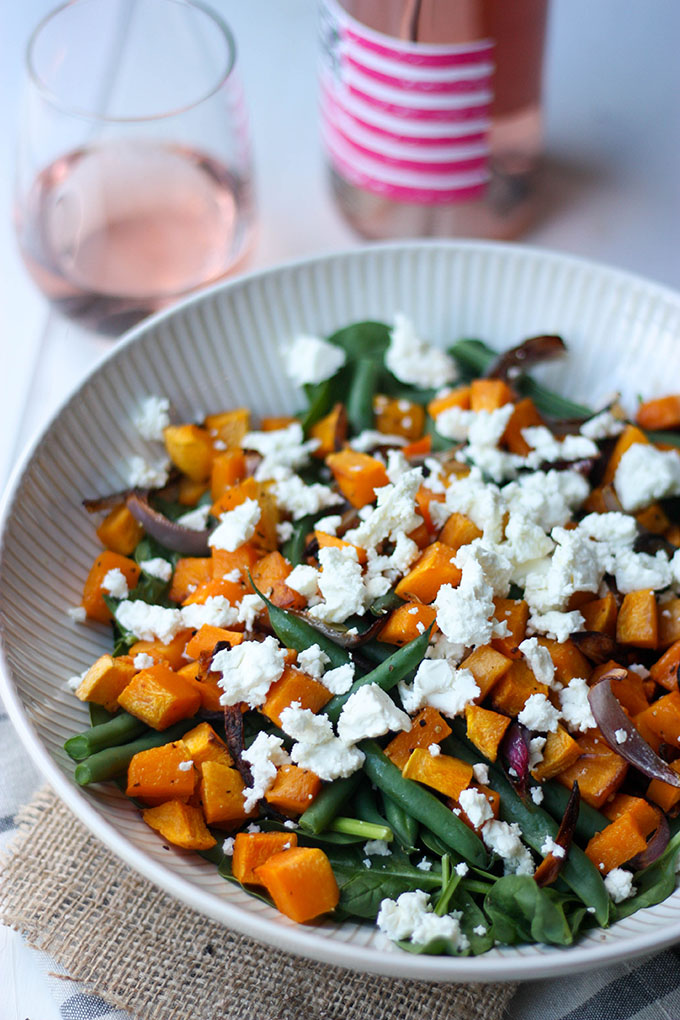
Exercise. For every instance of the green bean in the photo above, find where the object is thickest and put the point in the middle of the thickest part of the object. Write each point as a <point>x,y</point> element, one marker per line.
<point>120,729</point>
<point>296,633</point>
<point>293,549</point>
<point>422,805</point>
<point>98,714</point>
<point>386,603</point>
<point>475,358</point>
<point>386,675</point>
<point>578,871</point>
<point>113,761</point>
<point>358,827</point>
<point>670,438</point>
<point>360,397</point>
<point>326,806</point>
<point>590,821</point>
<point>404,825</point>
<point>375,651</point>
<point>364,805</point>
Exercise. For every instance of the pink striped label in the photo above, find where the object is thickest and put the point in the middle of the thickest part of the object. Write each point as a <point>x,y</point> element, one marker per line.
<point>406,120</point>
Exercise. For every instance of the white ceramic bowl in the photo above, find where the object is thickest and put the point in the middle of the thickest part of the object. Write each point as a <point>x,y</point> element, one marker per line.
<point>221,349</point>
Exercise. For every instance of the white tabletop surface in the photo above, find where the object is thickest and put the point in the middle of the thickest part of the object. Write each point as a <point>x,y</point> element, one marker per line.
<point>612,192</point>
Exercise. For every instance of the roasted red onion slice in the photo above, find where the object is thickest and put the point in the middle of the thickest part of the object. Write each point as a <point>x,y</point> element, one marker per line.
<point>170,534</point>
<point>343,637</point>
<point>515,756</point>
<point>93,506</point>
<point>611,719</point>
<point>550,866</point>
<point>596,646</point>
<point>655,847</point>
<point>517,360</point>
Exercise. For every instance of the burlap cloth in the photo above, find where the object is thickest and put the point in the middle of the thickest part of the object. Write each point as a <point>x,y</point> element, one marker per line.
<point>140,950</point>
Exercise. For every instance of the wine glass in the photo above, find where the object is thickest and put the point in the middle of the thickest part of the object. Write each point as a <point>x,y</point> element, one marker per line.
<point>134,174</point>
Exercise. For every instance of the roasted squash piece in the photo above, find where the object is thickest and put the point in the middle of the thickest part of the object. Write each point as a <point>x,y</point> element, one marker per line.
<point>599,771</point>
<point>293,790</point>
<point>427,727</point>
<point>514,612</point>
<point>616,843</point>
<point>189,574</point>
<point>203,744</point>
<point>221,792</point>
<point>105,680</point>
<point>489,394</point>
<point>330,431</point>
<point>120,531</point>
<point>205,639</point>
<point>228,468</point>
<point>459,530</point>
<point>645,814</point>
<point>253,849</point>
<point>487,667</point>
<point>600,615</point>
<point>160,697</point>
<point>172,653</point>
<point>180,824</point>
<point>663,718</point>
<point>629,437</point>
<point>637,622</point>
<point>660,413</point>
<point>442,772</point>
<point>395,416</point>
<point>433,569</point>
<point>669,623</point>
<point>229,427</point>
<point>324,540</point>
<point>357,475</point>
<point>485,729</point>
<point>407,622</point>
<point>301,883</point>
<point>665,670</point>
<point>294,685</point>
<point>190,448</point>
<point>510,694</point>
<point>458,397</point>
<point>664,794</point>
<point>93,594</point>
<point>525,415</point>
<point>161,773</point>
<point>560,751</point>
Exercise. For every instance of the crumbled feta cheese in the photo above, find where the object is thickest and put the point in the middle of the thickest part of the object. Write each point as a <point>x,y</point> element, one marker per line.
<point>77,614</point>
<point>398,918</point>
<point>279,448</point>
<point>228,846</point>
<point>185,766</point>
<point>115,584</point>
<point>216,611</point>
<point>313,661</point>
<point>503,838</point>
<point>434,750</point>
<point>144,475</point>
<point>340,679</point>
<point>549,846</point>
<point>310,360</point>
<point>249,607</point>
<point>461,869</point>
<point>639,670</point>
<point>284,531</point>
<point>619,883</point>
<point>74,682</point>
<point>481,773</point>
<point>645,474</point>
<point>431,926</point>
<point>476,807</point>
<point>465,613</point>
<point>143,661</point>
<point>559,626</point>
<point>295,497</point>
<point>149,623</point>
<point>538,660</point>
<point>414,361</point>
<point>304,580</point>
<point>341,583</point>
<point>397,465</point>
<point>546,498</point>
<point>546,447</point>
<point>537,794</point>
<point>236,526</point>
<point>479,929</point>
<point>370,438</point>
<point>424,864</point>
<point>367,862</point>
<point>377,848</point>
<point>394,514</point>
<point>601,426</point>
<point>317,748</point>
<point>539,714</point>
<point>536,745</point>
<point>369,712</point>
<point>290,824</point>
<point>195,519</point>
<point>620,736</point>
<point>635,571</point>
<point>253,828</point>
<point>576,707</point>
<point>153,416</point>
<point>157,567</point>
<point>264,755</point>
<point>248,670</point>
<point>234,576</point>
<point>329,525</point>
<point>441,686</point>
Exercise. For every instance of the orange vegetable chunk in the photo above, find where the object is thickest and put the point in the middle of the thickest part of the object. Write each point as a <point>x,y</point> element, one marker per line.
<point>659,414</point>
<point>442,772</point>
<point>172,653</point>
<point>228,468</point>
<point>180,824</point>
<point>600,615</point>
<point>301,883</point>
<point>637,622</point>
<point>434,568</point>
<point>105,680</point>
<point>616,843</point>
<point>229,426</point>
<point>221,792</point>
<point>407,622</point>
<point>524,416</point>
<point>629,437</point>
<point>155,775</point>
<point>294,685</point>
<point>629,689</point>
<point>190,448</point>
<point>253,849</point>
<point>293,790</point>
<point>427,727</point>
<point>190,573</point>
<point>357,475</point>
<point>665,670</point>
<point>599,771</point>
<point>459,397</point>
<point>663,718</point>
<point>487,667</point>
<point>514,612</point>
<point>205,639</point>
<point>160,697</point>
<point>489,394</point>
<point>665,795</point>
<point>331,431</point>
<point>645,814</point>
<point>324,540</point>
<point>560,751</point>
<point>395,416</point>
<point>568,661</point>
<point>203,744</point>
<point>459,530</point>
<point>510,694</point>
<point>485,729</point>
<point>669,623</point>
<point>93,595</point>
<point>120,531</point>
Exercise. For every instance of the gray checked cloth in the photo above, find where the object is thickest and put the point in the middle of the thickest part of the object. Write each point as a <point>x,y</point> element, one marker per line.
<point>647,989</point>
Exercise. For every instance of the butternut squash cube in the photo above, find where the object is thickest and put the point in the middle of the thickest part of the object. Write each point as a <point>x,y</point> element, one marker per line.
<point>646,816</point>
<point>600,615</point>
<point>524,416</point>
<point>331,432</point>
<point>663,718</point>
<point>293,790</point>
<point>665,670</point>
<point>485,729</point>
<point>172,654</point>
<point>205,639</point>
<point>407,622</point>
<point>190,448</point>
<point>93,594</point>
<point>203,744</point>
<point>189,492</point>
<point>180,824</point>
<point>398,417</point>
<point>265,538</point>
<point>630,435</point>
<point>301,883</point>
<point>433,569</point>
<point>489,394</point>
<point>120,531</point>
<point>229,426</point>
<point>357,475</point>
<point>616,843</point>
<point>424,497</point>
<point>427,727</point>
<point>160,697</point>
<point>514,612</point>
<point>629,689</point>
<point>294,685</point>
<point>510,694</point>
<point>560,751</point>
<point>189,574</point>
<point>568,660</point>
<point>660,413</point>
<point>487,667</point>
<point>669,623</point>
<point>442,772</point>
<point>253,849</point>
<point>222,795</point>
<point>105,680</point>
<point>228,468</point>
<point>599,771</point>
<point>325,540</point>
<point>155,775</point>
<point>665,795</point>
<point>637,622</point>
<point>459,530</point>
<point>458,397</point>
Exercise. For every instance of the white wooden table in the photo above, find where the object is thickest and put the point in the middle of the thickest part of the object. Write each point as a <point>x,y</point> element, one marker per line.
<point>612,193</point>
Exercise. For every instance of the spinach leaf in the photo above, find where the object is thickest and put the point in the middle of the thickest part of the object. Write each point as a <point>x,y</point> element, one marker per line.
<point>366,339</point>
<point>362,889</point>
<point>149,549</point>
<point>655,883</point>
<point>523,912</point>
<point>472,917</point>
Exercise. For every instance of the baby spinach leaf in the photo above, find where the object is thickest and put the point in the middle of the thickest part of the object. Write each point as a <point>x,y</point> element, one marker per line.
<point>522,912</point>
<point>366,339</point>
<point>363,888</point>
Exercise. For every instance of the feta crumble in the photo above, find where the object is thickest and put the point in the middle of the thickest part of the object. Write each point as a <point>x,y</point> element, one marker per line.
<point>411,360</point>
<point>549,846</point>
<point>248,670</point>
<point>601,426</point>
<point>311,360</point>
<point>77,614</point>
<point>476,807</point>
<point>195,519</point>
<point>143,661</point>
<point>317,747</point>
<point>341,583</point>
<point>369,712</point>
<point>185,766</point>
<point>264,755</point>
<point>144,475</point>
<point>153,416</point>
<point>575,706</point>
<point>441,686</point>
<point>157,567</point>
<point>377,848</point>
<point>304,580</point>
<point>434,750</point>
<point>620,736</point>
<point>538,660</point>
<point>313,661</point>
<point>228,846</point>
<point>481,773</point>
<point>503,838</point>
<point>216,611</point>
<point>539,714</point>
<point>537,794</point>
<point>115,584</point>
<point>645,474</point>
<point>236,526</point>
<point>619,883</point>
<point>340,679</point>
<point>148,622</point>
